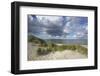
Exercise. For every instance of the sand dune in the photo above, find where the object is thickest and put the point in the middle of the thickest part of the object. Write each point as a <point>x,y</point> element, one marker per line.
<point>66,54</point>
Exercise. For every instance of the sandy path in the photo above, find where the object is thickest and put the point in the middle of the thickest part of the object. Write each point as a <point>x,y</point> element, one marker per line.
<point>67,54</point>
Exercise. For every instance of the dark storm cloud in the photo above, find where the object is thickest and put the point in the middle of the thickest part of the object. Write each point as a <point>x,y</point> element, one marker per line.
<point>36,27</point>
<point>54,29</point>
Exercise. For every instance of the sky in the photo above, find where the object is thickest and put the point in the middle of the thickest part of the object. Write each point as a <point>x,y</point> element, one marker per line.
<point>58,27</point>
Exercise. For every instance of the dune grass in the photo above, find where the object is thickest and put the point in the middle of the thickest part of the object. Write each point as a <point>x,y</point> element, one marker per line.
<point>51,47</point>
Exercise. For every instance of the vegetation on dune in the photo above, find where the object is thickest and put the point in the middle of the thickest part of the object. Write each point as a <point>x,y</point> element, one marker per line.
<point>82,50</point>
<point>36,40</point>
<point>47,47</point>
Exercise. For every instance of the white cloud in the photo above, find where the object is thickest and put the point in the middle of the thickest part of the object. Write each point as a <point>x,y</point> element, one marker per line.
<point>74,36</point>
<point>67,24</point>
<point>53,19</point>
<point>50,18</point>
<point>30,17</point>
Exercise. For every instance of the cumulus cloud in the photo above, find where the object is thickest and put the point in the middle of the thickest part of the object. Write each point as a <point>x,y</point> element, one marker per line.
<point>58,26</point>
